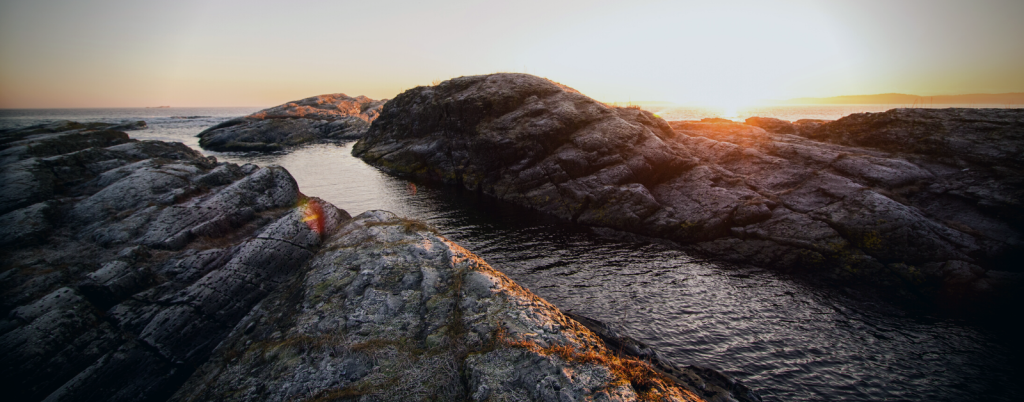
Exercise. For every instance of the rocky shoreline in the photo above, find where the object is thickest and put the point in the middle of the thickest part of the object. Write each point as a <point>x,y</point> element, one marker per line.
<point>323,118</point>
<point>922,203</point>
<point>142,270</point>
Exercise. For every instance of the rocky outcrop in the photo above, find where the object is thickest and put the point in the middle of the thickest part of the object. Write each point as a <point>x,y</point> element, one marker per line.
<point>127,262</point>
<point>726,189</point>
<point>391,311</point>
<point>60,137</point>
<point>954,136</point>
<point>802,127</point>
<point>333,117</point>
<point>143,269</point>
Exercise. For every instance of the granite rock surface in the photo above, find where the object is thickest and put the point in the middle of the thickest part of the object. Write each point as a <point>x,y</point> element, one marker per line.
<point>324,118</point>
<point>892,216</point>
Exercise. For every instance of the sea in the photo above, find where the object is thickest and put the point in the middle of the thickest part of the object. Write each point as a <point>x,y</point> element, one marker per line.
<point>785,337</point>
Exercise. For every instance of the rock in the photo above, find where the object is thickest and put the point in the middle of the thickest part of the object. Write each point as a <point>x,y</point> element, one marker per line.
<point>570,152</point>
<point>26,225</point>
<point>803,127</point>
<point>772,125</point>
<point>126,262</point>
<point>332,117</point>
<point>129,126</point>
<point>723,188</point>
<point>988,137</point>
<point>392,311</point>
<point>806,126</point>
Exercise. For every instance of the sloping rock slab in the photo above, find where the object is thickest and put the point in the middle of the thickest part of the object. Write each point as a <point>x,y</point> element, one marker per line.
<point>125,262</point>
<point>391,311</point>
<point>332,117</point>
<point>730,190</point>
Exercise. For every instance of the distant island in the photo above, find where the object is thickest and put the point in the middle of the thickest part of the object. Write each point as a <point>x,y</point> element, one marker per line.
<point>158,107</point>
<point>1016,98</point>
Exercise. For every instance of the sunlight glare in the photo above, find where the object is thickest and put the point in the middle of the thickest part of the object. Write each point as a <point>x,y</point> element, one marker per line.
<point>730,112</point>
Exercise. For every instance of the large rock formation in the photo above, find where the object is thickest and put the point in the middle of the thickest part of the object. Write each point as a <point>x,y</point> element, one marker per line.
<point>333,117</point>
<point>127,265</point>
<point>728,189</point>
<point>391,311</point>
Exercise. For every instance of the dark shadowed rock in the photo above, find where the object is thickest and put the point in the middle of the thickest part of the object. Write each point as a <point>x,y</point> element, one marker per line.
<point>126,262</point>
<point>772,125</point>
<point>806,126</point>
<point>802,127</point>
<point>332,117</point>
<point>528,140</point>
<point>990,137</point>
<point>727,189</point>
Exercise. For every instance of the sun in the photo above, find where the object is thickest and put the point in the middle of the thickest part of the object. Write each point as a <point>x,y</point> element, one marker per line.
<point>730,111</point>
<point>726,108</point>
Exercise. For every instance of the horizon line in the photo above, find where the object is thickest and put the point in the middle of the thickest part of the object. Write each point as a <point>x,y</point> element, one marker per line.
<point>630,102</point>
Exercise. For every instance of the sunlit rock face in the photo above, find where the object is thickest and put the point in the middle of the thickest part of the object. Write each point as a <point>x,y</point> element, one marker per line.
<point>391,311</point>
<point>333,117</point>
<point>127,262</point>
<point>730,190</point>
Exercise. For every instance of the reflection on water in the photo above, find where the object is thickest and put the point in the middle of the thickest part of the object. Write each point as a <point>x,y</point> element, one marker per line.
<point>787,339</point>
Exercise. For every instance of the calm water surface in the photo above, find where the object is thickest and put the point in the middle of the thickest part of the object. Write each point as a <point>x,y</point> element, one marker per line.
<point>787,339</point>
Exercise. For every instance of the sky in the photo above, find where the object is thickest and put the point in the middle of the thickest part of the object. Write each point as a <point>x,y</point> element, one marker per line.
<point>130,53</point>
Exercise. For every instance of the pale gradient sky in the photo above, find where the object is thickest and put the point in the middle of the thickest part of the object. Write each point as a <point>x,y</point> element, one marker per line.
<point>121,53</point>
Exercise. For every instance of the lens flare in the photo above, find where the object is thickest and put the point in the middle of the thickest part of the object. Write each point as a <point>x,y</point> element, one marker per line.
<point>312,215</point>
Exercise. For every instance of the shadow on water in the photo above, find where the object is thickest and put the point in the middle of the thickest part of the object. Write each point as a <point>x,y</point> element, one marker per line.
<point>786,337</point>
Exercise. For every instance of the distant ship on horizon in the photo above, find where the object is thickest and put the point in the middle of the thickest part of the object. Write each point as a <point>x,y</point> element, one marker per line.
<point>158,107</point>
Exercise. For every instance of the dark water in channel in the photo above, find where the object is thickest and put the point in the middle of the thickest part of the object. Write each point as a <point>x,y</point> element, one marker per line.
<point>788,339</point>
